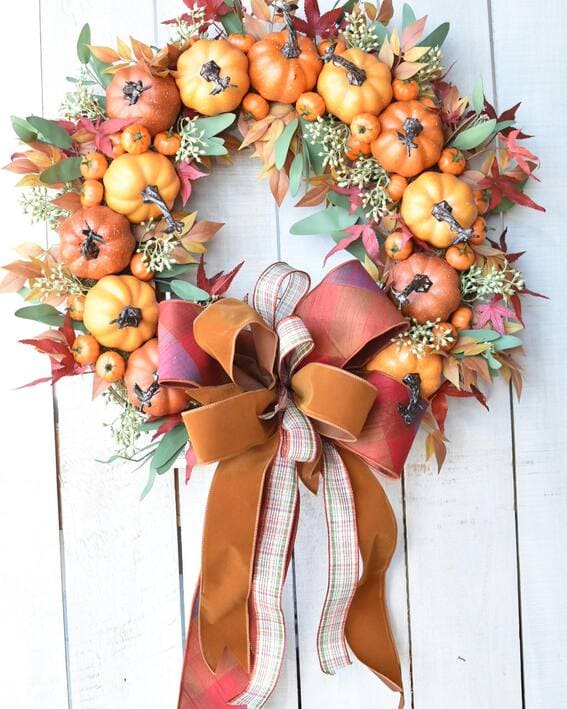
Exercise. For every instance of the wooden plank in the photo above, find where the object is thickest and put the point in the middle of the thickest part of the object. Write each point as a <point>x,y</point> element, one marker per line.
<point>31,613</point>
<point>540,419</point>
<point>120,554</point>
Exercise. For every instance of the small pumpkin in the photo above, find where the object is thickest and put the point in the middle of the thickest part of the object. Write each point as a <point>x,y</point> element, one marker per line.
<point>439,208</point>
<point>142,187</point>
<point>121,312</point>
<point>144,390</point>
<point>398,360</point>
<point>354,82</point>
<point>95,242</point>
<point>425,287</point>
<point>136,93</point>
<point>283,65</point>
<point>212,76</point>
<point>411,138</point>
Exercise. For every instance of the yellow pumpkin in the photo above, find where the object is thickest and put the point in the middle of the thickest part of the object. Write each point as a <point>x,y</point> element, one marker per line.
<point>212,76</point>
<point>121,312</point>
<point>397,361</point>
<point>141,187</point>
<point>354,82</point>
<point>439,208</point>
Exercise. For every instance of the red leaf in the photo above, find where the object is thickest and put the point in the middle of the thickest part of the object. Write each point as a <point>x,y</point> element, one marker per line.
<point>439,409</point>
<point>217,284</point>
<point>187,174</point>
<point>68,330</point>
<point>170,422</point>
<point>190,462</point>
<point>354,233</point>
<point>317,25</point>
<point>451,390</point>
<point>213,8</point>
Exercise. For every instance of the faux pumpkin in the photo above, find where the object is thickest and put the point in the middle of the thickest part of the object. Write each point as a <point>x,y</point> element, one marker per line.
<point>439,208</point>
<point>425,287</point>
<point>136,93</point>
<point>143,388</point>
<point>96,242</point>
<point>212,76</point>
<point>283,65</point>
<point>121,312</point>
<point>397,361</point>
<point>354,82</point>
<point>411,138</point>
<point>142,187</point>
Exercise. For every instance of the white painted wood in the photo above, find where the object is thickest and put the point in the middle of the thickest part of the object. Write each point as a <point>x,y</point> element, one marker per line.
<point>540,419</point>
<point>32,651</point>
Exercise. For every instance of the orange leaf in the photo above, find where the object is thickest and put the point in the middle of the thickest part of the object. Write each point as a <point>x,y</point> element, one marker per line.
<point>261,10</point>
<point>256,131</point>
<point>406,70</point>
<point>141,50</point>
<point>386,12</point>
<point>182,255</point>
<point>254,27</point>
<point>11,283</point>
<point>69,201</point>
<point>29,181</point>
<point>316,195</point>
<point>123,49</point>
<point>23,269</point>
<point>107,55</point>
<point>279,183</point>
<point>204,231</point>
<point>29,250</point>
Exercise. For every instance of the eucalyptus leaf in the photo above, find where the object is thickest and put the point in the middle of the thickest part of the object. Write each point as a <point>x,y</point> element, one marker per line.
<point>43,313</point>
<point>313,148</point>
<point>176,270</point>
<point>356,248</point>
<point>325,222</point>
<point>338,199</point>
<point>188,291</point>
<point>474,136</point>
<point>50,132</point>
<point>152,425</point>
<point>437,37</point>
<point>99,68</point>
<point>295,173</point>
<point>502,125</point>
<point>232,23</point>
<point>477,96</point>
<point>149,485</point>
<point>492,362</point>
<point>83,51</point>
<point>169,446</point>
<point>64,171</point>
<point>481,335</point>
<point>408,16</point>
<point>378,29</point>
<point>23,129</point>
<point>213,147</point>
<point>507,342</point>
<point>212,125</point>
<point>283,143</point>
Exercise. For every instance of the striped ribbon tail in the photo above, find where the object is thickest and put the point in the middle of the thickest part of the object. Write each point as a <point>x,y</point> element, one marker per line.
<point>274,538</point>
<point>343,561</point>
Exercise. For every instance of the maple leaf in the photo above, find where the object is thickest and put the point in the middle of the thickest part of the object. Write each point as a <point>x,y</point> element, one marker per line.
<point>508,115</point>
<point>451,390</point>
<point>502,185</point>
<point>217,284</point>
<point>354,197</point>
<point>317,25</point>
<point>213,8</point>
<point>168,423</point>
<point>494,312</point>
<point>439,409</point>
<point>525,159</point>
<point>187,174</point>
<point>101,130</point>
<point>359,231</point>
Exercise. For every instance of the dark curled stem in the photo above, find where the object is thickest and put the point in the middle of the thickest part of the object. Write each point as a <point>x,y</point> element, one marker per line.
<point>420,283</point>
<point>89,248</point>
<point>210,71</point>
<point>410,412</point>
<point>132,90</point>
<point>151,195</point>
<point>145,396</point>
<point>355,75</point>
<point>129,317</point>
<point>290,49</point>
<point>443,212</point>
<point>411,129</point>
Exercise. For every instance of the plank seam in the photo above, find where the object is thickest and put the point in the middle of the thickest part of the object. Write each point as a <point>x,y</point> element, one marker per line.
<point>408,602</point>
<point>180,560</point>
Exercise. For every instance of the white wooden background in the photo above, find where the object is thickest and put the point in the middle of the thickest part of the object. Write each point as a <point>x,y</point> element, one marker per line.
<point>95,586</point>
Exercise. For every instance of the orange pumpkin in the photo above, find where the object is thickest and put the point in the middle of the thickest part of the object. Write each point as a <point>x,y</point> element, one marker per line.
<point>143,388</point>
<point>398,360</point>
<point>121,312</point>
<point>354,82</point>
<point>136,93</point>
<point>212,76</point>
<point>142,187</point>
<point>439,208</point>
<point>96,242</point>
<point>283,65</point>
<point>425,287</point>
<point>410,140</point>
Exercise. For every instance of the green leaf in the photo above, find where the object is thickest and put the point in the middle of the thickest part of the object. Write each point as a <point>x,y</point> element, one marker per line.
<point>176,270</point>
<point>378,29</point>
<point>188,291</point>
<point>492,362</point>
<point>98,68</point>
<point>212,125</point>
<point>83,52</point>
<point>64,171</point>
<point>474,136</point>
<point>283,142</point>
<point>152,425</point>
<point>149,485</point>
<point>295,174</point>
<point>408,16</point>
<point>213,147</point>
<point>481,335</point>
<point>477,96</point>
<point>356,248</point>
<point>169,446</point>
<point>502,125</point>
<point>437,37</point>
<point>507,342</point>
<point>232,23</point>
<point>50,132</point>
<point>43,313</point>
<point>313,149</point>
<point>325,222</point>
<point>23,129</point>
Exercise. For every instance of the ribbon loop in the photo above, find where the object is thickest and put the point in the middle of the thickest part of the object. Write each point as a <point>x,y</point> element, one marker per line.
<point>278,291</point>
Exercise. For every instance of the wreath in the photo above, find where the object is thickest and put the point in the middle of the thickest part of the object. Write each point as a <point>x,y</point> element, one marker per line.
<point>325,385</point>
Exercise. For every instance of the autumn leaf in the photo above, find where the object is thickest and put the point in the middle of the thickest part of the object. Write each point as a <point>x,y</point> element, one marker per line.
<point>386,12</point>
<point>315,196</point>
<point>525,159</point>
<point>219,283</point>
<point>203,231</point>
<point>494,312</point>
<point>213,8</point>
<point>187,174</point>
<point>412,34</point>
<point>317,25</point>
<point>106,55</point>
<point>69,201</point>
<point>503,186</point>
<point>366,234</point>
<point>101,130</point>
<point>279,183</point>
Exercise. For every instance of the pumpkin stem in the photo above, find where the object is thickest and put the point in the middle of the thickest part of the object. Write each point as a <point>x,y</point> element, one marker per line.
<point>132,90</point>
<point>415,406</point>
<point>210,71</point>
<point>411,128</point>
<point>151,195</point>
<point>291,49</point>
<point>355,75</point>
<point>443,212</point>
<point>89,247</point>
<point>129,317</point>
<point>420,283</point>
<point>145,396</point>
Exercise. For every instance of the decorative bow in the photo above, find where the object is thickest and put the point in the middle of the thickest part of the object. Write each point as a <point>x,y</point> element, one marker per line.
<point>279,392</point>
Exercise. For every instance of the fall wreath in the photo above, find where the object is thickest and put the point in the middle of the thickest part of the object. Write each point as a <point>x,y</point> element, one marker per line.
<point>360,118</point>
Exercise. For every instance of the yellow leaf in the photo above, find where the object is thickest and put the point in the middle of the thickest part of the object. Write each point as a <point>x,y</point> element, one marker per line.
<point>123,49</point>
<point>386,55</point>
<point>405,70</point>
<point>370,266</point>
<point>141,50</point>
<point>194,247</point>
<point>261,10</point>
<point>395,42</point>
<point>29,181</point>
<point>415,53</point>
<point>371,11</point>
<point>115,68</point>
<point>188,221</point>
<point>107,55</point>
<point>28,249</point>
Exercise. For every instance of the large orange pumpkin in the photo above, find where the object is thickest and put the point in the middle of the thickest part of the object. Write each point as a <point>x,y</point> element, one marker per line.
<point>283,65</point>
<point>425,287</point>
<point>411,138</point>
<point>144,391</point>
<point>95,242</point>
<point>212,76</point>
<point>142,187</point>
<point>136,93</point>
<point>354,82</point>
<point>439,208</point>
<point>397,360</point>
<point>121,312</point>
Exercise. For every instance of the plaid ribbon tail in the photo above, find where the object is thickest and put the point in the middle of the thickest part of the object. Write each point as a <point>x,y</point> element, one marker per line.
<point>343,561</point>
